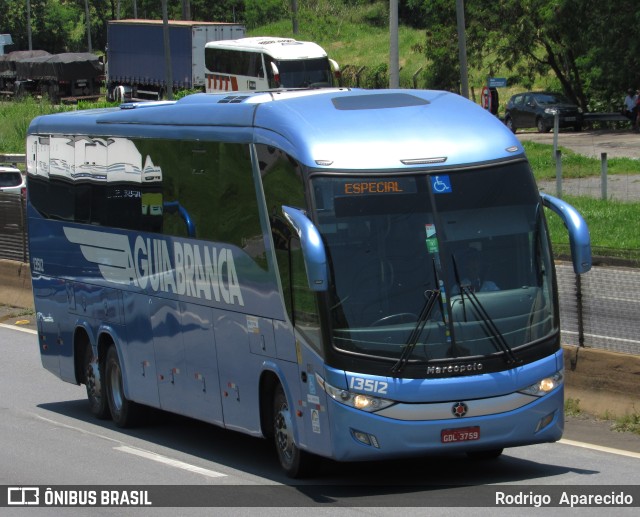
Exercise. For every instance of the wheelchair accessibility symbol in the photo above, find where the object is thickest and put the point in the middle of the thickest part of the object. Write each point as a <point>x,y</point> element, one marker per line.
<point>441,184</point>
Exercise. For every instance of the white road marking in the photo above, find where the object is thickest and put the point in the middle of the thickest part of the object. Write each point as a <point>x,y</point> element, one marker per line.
<point>168,461</point>
<point>141,452</point>
<point>16,327</point>
<point>599,448</point>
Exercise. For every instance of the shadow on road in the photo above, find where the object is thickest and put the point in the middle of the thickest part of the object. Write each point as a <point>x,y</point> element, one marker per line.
<point>256,457</point>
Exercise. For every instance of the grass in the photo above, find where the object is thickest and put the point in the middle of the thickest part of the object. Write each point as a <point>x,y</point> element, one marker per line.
<point>572,407</point>
<point>629,423</point>
<point>16,117</point>
<point>336,27</point>
<point>574,165</point>
<point>608,221</point>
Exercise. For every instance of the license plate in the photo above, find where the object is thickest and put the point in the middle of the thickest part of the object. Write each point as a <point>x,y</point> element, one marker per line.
<point>462,434</point>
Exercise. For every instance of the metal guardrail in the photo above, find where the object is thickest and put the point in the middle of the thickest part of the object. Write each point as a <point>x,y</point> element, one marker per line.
<point>13,159</point>
<point>13,227</point>
<point>600,309</point>
<point>605,117</point>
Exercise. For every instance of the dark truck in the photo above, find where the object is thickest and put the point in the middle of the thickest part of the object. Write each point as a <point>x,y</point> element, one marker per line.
<point>66,77</point>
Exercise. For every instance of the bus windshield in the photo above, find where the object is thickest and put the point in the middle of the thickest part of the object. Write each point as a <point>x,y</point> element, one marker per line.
<point>445,266</point>
<point>302,73</point>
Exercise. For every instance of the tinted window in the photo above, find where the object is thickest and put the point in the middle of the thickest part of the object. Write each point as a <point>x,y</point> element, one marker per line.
<point>234,62</point>
<point>10,179</point>
<point>548,98</point>
<point>283,185</point>
<point>203,190</point>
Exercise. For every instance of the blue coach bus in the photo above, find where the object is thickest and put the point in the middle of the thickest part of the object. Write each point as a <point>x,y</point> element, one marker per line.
<point>355,274</point>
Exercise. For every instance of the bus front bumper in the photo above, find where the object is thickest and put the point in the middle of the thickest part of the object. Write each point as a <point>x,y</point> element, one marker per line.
<point>361,436</point>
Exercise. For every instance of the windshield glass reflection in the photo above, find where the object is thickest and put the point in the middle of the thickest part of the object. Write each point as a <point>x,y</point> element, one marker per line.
<point>474,252</point>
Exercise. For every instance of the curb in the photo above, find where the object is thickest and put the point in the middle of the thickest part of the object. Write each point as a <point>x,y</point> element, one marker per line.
<point>606,384</point>
<point>15,284</point>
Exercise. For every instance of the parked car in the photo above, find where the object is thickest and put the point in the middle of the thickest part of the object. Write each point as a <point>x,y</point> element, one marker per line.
<point>538,109</point>
<point>12,180</point>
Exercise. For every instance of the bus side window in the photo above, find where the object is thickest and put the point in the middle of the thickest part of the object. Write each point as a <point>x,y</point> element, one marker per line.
<point>258,66</point>
<point>283,185</point>
<point>210,187</point>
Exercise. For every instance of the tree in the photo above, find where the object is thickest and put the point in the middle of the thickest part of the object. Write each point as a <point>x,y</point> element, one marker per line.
<point>588,45</point>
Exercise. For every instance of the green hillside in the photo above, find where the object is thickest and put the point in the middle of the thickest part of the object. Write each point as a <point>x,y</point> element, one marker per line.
<point>357,37</point>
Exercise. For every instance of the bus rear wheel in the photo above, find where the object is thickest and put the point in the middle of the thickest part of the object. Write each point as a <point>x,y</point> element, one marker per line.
<point>124,412</point>
<point>295,462</point>
<point>93,383</point>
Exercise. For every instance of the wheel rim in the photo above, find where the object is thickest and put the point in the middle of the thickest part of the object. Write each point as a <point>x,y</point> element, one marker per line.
<point>284,438</point>
<point>115,386</point>
<point>93,383</point>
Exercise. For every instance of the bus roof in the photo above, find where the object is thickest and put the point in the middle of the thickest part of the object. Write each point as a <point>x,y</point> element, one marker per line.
<point>279,48</point>
<point>339,128</point>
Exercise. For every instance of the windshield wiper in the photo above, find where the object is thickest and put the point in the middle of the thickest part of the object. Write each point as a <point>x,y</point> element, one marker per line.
<point>428,306</point>
<point>491,329</point>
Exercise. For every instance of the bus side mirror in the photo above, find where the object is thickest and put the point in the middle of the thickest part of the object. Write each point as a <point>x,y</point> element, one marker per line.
<point>315,257</point>
<point>579,238</point>
<point>335,68</point>
<point>276,74</point>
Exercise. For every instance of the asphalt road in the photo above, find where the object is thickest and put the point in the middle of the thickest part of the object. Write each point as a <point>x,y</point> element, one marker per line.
<point>580,428</point>
<point>50,438</point>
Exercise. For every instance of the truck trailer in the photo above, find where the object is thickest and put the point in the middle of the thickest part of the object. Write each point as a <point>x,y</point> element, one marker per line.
<point>135,67</point>
<point>66,77</point>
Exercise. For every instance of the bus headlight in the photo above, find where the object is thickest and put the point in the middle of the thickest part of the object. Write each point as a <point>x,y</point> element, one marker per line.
<point>367,403</point>
<point>544,386</point>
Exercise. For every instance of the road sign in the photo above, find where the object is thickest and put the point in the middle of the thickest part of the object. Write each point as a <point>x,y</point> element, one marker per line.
<point>497,82</point>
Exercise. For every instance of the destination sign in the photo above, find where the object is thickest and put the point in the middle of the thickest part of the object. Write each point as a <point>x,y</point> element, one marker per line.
<point>372,187</point>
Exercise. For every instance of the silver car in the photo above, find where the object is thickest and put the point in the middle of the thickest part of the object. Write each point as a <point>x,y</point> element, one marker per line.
<point>12,181</point>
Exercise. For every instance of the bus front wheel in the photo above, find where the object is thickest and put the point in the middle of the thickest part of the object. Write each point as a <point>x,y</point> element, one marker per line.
<point>124,412</point>
<point>294,461</point>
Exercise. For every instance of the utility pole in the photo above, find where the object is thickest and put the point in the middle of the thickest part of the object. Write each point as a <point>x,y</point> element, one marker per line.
<point>86,14</point>
<point>186,9</point>
<point>29,24</point>
<point>462,49</point>
<point>394,67</point>
<point>168,74</point>
<point>294,15</point>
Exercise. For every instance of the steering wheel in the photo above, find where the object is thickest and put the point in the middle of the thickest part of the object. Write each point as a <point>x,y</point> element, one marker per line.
<point>403,317</point>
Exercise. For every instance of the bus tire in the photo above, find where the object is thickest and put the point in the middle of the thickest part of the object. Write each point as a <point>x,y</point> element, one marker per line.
<point>491,454</point>
<point>295,462</point>
<point>124,412</point>
<point>93,383</point>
